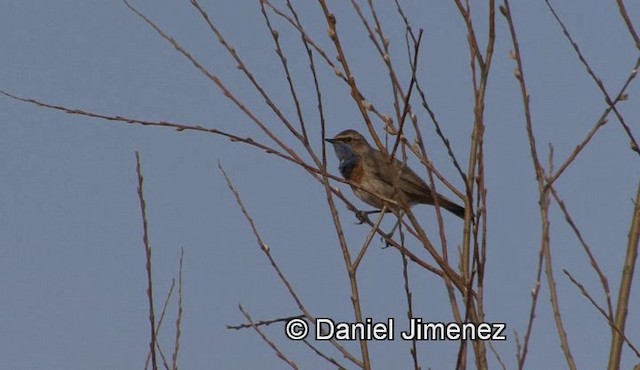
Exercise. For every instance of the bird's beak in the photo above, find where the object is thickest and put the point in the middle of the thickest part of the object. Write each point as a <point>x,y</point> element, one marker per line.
<point>332,141</point>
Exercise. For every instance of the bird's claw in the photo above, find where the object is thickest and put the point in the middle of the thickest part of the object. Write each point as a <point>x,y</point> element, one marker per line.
<point>385,238</point>
<point>362,217</point>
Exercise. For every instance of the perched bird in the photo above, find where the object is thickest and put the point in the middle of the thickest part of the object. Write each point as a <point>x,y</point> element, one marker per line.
<point>370,170</point>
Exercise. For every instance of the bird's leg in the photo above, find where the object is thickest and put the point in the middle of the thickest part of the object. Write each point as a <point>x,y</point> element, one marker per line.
<point>363,216</point>
<point>389,235</point>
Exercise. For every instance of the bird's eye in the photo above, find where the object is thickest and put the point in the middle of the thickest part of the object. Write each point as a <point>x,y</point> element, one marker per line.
<point>347,139</point>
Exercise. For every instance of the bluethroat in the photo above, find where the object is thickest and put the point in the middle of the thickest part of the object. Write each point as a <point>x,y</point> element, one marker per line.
<point>378,179</point>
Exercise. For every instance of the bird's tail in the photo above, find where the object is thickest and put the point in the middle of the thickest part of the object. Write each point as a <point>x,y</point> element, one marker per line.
<point>450,206</point>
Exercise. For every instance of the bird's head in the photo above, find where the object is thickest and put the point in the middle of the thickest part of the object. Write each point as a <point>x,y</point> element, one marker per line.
<point>349,142</point>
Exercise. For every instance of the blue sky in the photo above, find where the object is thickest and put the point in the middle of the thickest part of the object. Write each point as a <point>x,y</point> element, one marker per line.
<point>72,272</point>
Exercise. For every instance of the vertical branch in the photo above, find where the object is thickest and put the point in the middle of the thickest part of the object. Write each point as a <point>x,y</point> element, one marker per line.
<point>176,347</point>
<point>480,248</point>
<point>351,270</point>
<point>546,247</point>
<point>628,268</point>
<point>283,60</point>
<point>409,34</point>
<point>382,48</point>
<point>159,323</point>
<point>311,44</point>
<point>407,99</point>
<point>523,350</point>
<point>355,92</point>
<point>147,250</point>
<point>471,36</point>
<point>353,281</point>
<point>316,83</point>
<point>409,295</point>
<point>483,63</point>
<point>542,189</point>
<point>477,136</point>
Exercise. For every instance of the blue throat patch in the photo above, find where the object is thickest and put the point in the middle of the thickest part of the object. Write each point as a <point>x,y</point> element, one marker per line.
<point>348,159</point>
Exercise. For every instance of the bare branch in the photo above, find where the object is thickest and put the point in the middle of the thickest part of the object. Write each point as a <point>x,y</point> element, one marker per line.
<point>611,104</point>
<point>609,319</point>
<point>265,322</point>
<point>545,247</point>
<point>626,280</point>
<point>266,339</point>
<point>176,346</point>
<point>147,249</point>
<point>265,249</point>
<point>594,263</point>
<point>627,21</point>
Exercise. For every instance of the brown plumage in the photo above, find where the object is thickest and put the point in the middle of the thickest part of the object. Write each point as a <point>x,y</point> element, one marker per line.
<point>371,170</point>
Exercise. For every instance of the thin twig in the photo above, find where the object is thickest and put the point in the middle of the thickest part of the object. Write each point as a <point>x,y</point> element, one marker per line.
<point>309,41</point>
<point>355,91</point>
<point>596,79</point>
<point>498,358</point>
<point>316,172</point>
<point>602,120</point>
<point>147,249</point>
<point>266,250</point>
<point>409,296</point>
<point>595,304</point>
<point>316,83</point>
<point>285,65</point>
<point>323,355</point>
<point>471,37</point>
<point>545,252</point>
<point>234,138</point>
<point>265,322</point>
<point>353,281</point>
<point>368,239</point>
<point>217,81</point>
<point>176,347</point>
<point>242,67</point>
<point>269,342</point>
<point>594,263</point>
<point>407,99</point>
<point>159,324</point>
<point>383,52</point>
<point>425,104</point>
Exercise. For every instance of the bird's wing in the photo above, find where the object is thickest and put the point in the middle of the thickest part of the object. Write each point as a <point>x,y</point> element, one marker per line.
<point>414,188</point>
<point>378,166</point>
<point>410,183</point>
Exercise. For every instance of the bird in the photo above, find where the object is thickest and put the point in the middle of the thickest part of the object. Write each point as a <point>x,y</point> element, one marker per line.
<point>375,178</point>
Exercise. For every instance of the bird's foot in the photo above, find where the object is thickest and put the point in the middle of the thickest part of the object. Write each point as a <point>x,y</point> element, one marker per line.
<point>362,216</point>
<point>386,238</point>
